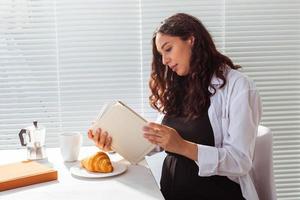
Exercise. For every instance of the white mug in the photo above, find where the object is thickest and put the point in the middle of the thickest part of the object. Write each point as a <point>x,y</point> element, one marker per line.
<point>70,143</point>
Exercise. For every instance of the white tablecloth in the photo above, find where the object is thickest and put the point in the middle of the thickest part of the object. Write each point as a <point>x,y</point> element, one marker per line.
<point>136,183</point>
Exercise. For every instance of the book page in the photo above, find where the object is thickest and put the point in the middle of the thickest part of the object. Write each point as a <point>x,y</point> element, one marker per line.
<point>125,127</point>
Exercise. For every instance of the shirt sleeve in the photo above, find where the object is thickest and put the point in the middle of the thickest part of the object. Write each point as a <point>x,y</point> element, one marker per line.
<point>234,157</point>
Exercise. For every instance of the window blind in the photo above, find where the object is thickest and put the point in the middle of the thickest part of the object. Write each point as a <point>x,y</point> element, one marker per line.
<point>98,57</point>
<point>61,61</point>
<point>28,71</point>
<point>264,37</point>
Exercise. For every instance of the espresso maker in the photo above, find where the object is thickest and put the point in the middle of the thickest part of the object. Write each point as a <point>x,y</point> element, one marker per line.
<point>33,137</point>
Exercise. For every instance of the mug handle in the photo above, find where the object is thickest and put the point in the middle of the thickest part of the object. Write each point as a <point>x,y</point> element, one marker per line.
<point>22,132</point>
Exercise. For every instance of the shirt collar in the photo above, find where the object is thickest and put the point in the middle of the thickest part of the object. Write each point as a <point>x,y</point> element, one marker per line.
<point>216,81</point>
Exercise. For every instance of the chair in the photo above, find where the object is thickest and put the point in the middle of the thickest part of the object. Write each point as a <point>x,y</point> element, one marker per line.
<point>155,163</point>
<point>262,169</point>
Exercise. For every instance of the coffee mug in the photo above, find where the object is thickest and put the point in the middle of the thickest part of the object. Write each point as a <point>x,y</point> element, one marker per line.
<point>70,143</point>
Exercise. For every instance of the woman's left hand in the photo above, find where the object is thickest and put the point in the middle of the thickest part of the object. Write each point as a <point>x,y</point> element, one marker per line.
<point>164,136</point>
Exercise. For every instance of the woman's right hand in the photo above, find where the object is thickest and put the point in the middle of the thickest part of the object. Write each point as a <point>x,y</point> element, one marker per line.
<point>101,139</point>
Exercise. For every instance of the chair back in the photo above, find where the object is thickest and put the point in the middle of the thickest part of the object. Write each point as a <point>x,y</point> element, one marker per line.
<point>262,169</point>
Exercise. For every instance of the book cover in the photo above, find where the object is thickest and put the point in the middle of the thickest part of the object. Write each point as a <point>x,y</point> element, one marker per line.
<point>125,127</point>
<point>24,173</point>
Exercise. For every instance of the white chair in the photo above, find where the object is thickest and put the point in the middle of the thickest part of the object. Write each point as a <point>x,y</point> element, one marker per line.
<point>262,169</point>
<point>155,163</point>
<point>261,172</point>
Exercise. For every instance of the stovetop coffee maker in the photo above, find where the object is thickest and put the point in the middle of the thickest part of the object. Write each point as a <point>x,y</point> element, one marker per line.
<point>33,137</point>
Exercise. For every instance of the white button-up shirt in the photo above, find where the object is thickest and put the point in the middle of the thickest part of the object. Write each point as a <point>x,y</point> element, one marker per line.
<point>235,114</point>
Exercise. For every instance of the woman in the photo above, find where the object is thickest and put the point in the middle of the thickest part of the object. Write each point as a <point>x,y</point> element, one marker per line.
<point>211,115</point>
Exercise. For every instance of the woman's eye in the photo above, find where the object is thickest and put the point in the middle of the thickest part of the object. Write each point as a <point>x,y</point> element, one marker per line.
<point>168,49</point>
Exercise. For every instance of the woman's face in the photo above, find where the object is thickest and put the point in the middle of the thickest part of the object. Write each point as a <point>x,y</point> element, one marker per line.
<point>176,53</point>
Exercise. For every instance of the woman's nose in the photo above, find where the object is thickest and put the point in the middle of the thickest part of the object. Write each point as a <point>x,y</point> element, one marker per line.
<point>166,60</point>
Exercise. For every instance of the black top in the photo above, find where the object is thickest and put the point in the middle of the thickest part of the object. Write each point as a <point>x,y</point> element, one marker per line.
<point>180,178</point>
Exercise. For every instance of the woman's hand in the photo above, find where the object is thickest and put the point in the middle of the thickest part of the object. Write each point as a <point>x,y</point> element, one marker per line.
<point>101,139</point>
<point>169,139</point>
<point>164,136</point>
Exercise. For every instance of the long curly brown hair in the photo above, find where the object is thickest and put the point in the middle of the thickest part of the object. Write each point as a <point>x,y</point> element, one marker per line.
<point>189,95</point>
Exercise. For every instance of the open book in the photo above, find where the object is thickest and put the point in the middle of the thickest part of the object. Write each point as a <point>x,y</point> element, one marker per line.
<point>125,127</point>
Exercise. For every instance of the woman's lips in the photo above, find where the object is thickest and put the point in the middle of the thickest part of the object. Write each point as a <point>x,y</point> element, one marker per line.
<point>173,68</point>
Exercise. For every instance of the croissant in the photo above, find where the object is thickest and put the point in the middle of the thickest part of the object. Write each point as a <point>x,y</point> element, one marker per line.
<point>98,162</point>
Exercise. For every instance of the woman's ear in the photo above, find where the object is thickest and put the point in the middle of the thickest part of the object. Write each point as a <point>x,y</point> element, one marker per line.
<point>191,40</point>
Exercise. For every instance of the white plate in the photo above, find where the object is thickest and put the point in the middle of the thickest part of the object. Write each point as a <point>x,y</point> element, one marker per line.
<point>77,170</point>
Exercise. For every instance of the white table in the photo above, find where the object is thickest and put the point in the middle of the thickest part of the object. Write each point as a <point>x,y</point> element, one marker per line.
<point>136,183</point>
